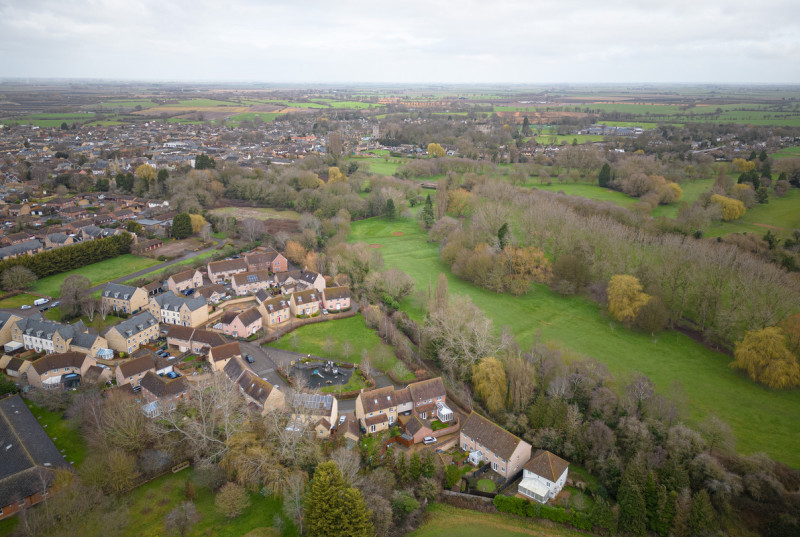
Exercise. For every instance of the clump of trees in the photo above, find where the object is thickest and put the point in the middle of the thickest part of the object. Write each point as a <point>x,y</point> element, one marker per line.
<point>765,356</point>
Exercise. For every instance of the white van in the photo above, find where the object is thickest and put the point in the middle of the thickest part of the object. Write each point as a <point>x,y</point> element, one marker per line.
<point>40,301</point>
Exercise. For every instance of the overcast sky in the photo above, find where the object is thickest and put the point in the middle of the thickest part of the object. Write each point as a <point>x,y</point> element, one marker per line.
<point>405,41</point>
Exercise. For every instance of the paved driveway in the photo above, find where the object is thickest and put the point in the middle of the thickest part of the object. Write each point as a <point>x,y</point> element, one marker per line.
<point>263,366</point>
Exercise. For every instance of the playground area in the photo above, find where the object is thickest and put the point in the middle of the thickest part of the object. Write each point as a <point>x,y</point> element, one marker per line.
<point>322,374</point>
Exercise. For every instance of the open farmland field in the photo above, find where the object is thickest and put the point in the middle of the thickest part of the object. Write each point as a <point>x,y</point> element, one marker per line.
<point>52,120</point>
<point>259,213</point>
<point>787,152</point>
<point>100,272</point>
<point>554,139</point>
<point>763,420</point>
<point>444,520</point>
<point>378,165</point>
<point>128,103</point>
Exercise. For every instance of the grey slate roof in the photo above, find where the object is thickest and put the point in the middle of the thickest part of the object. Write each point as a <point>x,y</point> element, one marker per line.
<point>134,325</point>
<point>117,290</point>
<point>172,302</point>
<point>27,451</point>
<point>21,248</point>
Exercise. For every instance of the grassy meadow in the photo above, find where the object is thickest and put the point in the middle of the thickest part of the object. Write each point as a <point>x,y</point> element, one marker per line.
<point>259,213</point>
<point>66,435</point>
<point>763,420</point>
<point>17,300</point>
<point>100,272</point>
<point>444,520</point>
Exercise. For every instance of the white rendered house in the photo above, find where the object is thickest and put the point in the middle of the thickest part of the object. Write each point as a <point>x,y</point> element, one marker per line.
<point>543,476</point>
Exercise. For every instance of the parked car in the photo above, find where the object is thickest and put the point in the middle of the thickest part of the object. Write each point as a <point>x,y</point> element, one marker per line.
<point>249,359</point>
<point>40,301</point>
<point>429,440</point>
<point>324,312</point>
<point>25,307</point>
<point>342,419</point>
<point>55,304</point>
<point>44,309</point>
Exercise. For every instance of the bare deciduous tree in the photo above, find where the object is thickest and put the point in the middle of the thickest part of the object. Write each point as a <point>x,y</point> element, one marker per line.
<point>252,229</point>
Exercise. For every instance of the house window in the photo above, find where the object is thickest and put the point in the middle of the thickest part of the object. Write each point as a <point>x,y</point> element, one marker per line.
<point>494,466</point>
<point>503,469</point>
<point>372,428</point>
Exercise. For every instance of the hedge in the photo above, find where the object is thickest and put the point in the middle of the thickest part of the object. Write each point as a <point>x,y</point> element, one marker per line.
<point>71,257</point>
<point>525,508</point>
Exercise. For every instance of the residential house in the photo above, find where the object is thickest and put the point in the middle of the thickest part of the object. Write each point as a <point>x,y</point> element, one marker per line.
<point>161,392</point>
<point>487,442</point>
<point>62,370</point>
<point>195,340</point>
<point>16,238</point>
<point>336,298</point>
<point>133,371</point>
<point>429,399</point>
<point>274,310</point>
<point>305,302</point>
<point>187,279</point>
<point>543,476</point>
<point>376,410</point>
<point>215,292</point>
<point>170,308</point>
<point>128,335</point>
<point>259,393</point>
<point>241,323</point>
<point>224,270</point>
<point>245,283</point>
<point>124,298</point>
<point>319,411</point>
<point>52,337</point>
<point>269,259</point>
<point>29,458</point>
<point>349,429</point>
<point>220,355</point>
<point>16,366</point>
<point>57,240</point>
<point>30,247</point>
<point>7,322</point>
<point>300,281</point>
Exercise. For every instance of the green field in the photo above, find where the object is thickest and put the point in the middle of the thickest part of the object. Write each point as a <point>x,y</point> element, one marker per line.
<point>266,117</point>
<point>66,435</point>
<point>545,139</point>
<point>101,272</point>
<point>52,120</point>
<point>691,191</point>
<point>781,215</point>
<point>378,165</point>
<point>311,339</point>
<point>128,103</point>
<point>259,213</point>
<point>351,105</point>
<point>17,300</point>
<point>787,152</point>
<point>443,521</point>
<point>592,192</point>
<point>204,102</point>
<point>763,420</point>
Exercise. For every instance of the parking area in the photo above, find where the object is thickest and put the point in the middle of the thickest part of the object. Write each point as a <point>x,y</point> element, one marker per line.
<point>263,365</point>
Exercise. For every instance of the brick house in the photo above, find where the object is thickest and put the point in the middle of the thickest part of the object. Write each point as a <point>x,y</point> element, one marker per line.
<point>124,298</point>
<point>187,279</point>
<point>336,298</point>
<point>161,392</point>
<point>224,270</point>
<point>270,259</point>
<point>487,442</point>
<point>241,323</point>
<point>377,409</point>
<point>212,293</point>
<point>251,282</point>
<point>259,394</point>
<point>195,340</point>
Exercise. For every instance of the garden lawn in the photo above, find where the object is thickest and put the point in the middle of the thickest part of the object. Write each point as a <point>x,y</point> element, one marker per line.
<point>65,434</point>
<point>377,165</point>
<point>444,521</point>
<point>763,420</point>
<point>101,272</point>
<point>311,339</point>
<point>17,300</point>
<point>99,324</point>
<point>486,485</point>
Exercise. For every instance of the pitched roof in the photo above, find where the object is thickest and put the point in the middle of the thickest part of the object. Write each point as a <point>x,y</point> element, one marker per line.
<point>308,296</point>
<point>164,387</point>
<point>117,290</point>
<point>171,302</point>
<point>313,403</point>
<point>249,316</point>
<point>243,278</point>
<point>208,291</point>
<point>136,324</point>
<point>223,352</point>
<point>234,369</point>
<point>187,333</point>
<point>227,265</point>
<point>427,389</point>
<point>254,386</point>
<point>491,435</point>
<point>277,303</point>
<point>137,365</point>
<point>27,451</point>
<point>183,275</point>
<point>375,400</point>
<point>57,361</point>
<point>309,276</point>
<point>414,425</point>
<point>546,465</point>
<point>333,293</point>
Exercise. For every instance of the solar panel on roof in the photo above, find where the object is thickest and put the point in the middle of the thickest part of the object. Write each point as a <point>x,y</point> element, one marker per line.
<point>252,278</point>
